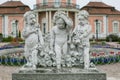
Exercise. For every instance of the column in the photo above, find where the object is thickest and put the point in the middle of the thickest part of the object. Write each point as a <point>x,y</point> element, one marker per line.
<point>105,25</point>
<point>37,16</point>
<point>5,26</point>
<point>47,21</point>
<point>50,22</point>
<point>76,20</point>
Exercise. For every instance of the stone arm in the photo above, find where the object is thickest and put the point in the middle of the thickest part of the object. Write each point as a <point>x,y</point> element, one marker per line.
<point>26,32</point>
<point>68,21</point>
<point>40,37</point>
<point>69,24</point>
<point>52,39</point>
<point>86,32</point>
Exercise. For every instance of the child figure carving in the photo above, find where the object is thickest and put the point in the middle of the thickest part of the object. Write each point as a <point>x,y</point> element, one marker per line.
<point>60,35</point>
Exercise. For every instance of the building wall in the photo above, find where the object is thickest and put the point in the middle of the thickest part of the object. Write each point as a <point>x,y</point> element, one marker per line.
<point>92,20</point>
<point>107,24</point>
<point>19,18</point>
<point>0,24</point>
<point>112,18</point>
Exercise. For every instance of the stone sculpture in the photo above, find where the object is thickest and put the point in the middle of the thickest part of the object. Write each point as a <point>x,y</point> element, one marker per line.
<point>80,37</point>
<point>56,44</point>
<point>60,35</point>
<point>33,39</point>
<point>63,52</point>
<point>63,47</point>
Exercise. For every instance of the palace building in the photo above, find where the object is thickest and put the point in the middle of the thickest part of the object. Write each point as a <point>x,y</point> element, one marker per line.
<point>11,17</point>
<point>104,19</point>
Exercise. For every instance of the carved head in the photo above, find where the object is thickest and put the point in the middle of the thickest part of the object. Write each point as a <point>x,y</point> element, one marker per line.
<point>58,19</point>
<point>60,23</point>
<point>30,18</point>
<point>83,17</point>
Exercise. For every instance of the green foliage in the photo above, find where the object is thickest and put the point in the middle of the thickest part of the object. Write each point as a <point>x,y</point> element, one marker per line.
<point>11,39</point>
<point>19,34</point>
<point>1,37</point>
<point>103,43</point>
<point>8,39</point>
<point>0,34</point>
<point>112,37</point>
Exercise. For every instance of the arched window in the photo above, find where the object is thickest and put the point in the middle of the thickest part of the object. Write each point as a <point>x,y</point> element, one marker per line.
<point>98,26</point>
<point>14,32</point>
<point>115,25</point>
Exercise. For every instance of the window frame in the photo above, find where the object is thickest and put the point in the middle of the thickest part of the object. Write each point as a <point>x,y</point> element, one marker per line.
<point>115,29</point>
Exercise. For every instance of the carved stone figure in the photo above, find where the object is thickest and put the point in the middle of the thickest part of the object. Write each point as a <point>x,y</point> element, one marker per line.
<point>63,47</point>
<point>80,37</point>
<point>60,35</point>
<point>33,39</point>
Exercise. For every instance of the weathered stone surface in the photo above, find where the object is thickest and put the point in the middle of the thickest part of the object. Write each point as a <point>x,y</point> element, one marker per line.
<point>59,76</point>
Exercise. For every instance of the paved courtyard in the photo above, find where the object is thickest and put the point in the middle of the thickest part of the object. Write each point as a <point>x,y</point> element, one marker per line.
<point>112,70</point>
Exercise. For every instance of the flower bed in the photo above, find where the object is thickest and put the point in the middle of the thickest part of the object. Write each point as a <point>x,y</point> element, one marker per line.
<point>102,58</point>
<point>12,61</point>
<point>9,46</point>
<point>98,55</point>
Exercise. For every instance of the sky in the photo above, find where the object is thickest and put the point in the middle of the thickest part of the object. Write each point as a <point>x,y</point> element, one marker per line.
<point>114,3</point>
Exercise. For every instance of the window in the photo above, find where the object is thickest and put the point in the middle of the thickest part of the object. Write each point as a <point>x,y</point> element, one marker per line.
<point>115,26</point>
<point>69,2</point>
<point>14,28</point>
<point>44,28</point>
<point>57,3</point>
<point>44,2</point>
<point>44,25</point>
<point>98,27</point>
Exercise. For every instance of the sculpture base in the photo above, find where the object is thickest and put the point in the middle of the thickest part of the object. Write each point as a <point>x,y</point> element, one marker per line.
<point>37,75</point>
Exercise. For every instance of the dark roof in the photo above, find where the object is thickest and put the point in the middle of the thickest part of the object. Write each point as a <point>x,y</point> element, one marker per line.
<point>97,4</point>
<point>100,8</point>
<point>13,7</point>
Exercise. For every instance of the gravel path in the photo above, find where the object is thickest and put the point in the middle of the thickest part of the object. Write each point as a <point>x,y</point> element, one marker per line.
<point>112,70</point>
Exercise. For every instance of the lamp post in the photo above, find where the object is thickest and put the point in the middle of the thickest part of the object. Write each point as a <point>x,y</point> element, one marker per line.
<point>16,22</point>
<point>96,30</point>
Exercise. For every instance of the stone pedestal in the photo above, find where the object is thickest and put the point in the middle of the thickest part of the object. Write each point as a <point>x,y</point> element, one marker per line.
<point>59,76</point>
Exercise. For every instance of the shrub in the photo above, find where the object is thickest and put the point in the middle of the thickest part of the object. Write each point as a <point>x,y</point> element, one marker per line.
<point>112,37</point>
<point>1,37</point>
<point>19,34</point>
<point>8,39</point>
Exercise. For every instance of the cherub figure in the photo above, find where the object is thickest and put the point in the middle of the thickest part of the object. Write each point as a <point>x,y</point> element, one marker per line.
<point>33,39</point>
<point>60,35</point>
<point>80,37</point>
